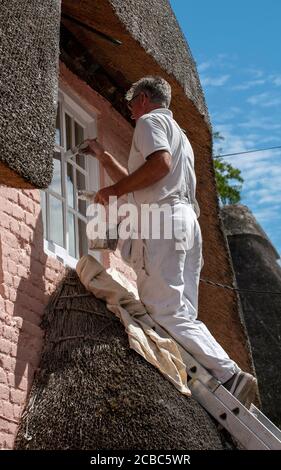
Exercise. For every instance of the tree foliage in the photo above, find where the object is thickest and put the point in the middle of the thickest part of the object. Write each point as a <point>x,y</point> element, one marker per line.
<point>227,177</point>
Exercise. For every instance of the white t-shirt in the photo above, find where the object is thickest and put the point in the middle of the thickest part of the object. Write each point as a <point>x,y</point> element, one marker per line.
<point>157,130</point>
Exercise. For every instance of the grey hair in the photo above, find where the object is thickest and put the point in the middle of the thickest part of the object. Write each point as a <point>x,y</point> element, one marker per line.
<point>156,88</point>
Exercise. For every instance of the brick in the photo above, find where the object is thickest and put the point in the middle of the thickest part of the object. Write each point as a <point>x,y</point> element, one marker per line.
<point>13,350</point>
<point>51,275</point>
<point>14,226</point>
<point>12,194</point>
<point>33,330</point>
<point>9,307</point>
<point>8,410</point>
<point>17,212</point>
<point>37,307</point>
<point>25,202</point>
<point>9,239</point>
<point>6,206</point>
<point>17,381</point>
<point>5,346</point>
<point>37,270</point>
<point>9,440</point>
<point>10,334</point>
<point>4,392</point>
<point>12,267</point>
<point>30,316</point>
<point>12,294</point>
<point>4,220</point>
<point>30,220</point>
<point>25,260</point>
<point>8,279</point>
<point>17,411</point>
<point>26,233</point>
<point>36,196</point>
<point>22,271</point>
<point>15,255</point>
<point>3,377</point>
<point>17,397</point>
<point>16,281</point>
<point>7,362</point>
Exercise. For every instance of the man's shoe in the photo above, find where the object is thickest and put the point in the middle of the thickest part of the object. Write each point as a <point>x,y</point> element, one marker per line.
<point>243,386</point>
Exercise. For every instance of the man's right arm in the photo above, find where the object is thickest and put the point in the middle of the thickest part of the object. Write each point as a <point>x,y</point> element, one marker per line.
<point>114,169</point>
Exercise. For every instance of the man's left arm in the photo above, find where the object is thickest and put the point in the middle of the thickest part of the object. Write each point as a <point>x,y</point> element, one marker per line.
<point>156,166</point>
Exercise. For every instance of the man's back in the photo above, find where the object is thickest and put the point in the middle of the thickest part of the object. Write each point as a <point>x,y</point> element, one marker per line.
<point>156,131</point>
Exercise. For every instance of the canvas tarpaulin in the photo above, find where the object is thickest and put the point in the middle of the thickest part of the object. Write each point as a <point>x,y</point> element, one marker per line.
<point>163,353</point>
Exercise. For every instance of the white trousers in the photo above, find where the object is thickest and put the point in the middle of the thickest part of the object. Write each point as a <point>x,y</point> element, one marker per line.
<point>168,280</point>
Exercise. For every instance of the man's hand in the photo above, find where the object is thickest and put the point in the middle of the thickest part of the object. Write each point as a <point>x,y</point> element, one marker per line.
<point>102,196</point>
<point>94,148</point>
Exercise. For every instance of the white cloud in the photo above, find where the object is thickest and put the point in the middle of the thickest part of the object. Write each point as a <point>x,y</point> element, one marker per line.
<point>248,85</point>
<point>214,81</point>
<point>266,99</point>
<point>276,80</point>
<point>256,73</point>
<point>204,66</point>
<point>221,117</point>
<point>264,123</point>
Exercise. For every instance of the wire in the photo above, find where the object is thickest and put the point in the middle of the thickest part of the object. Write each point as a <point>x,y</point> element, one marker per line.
<point>249,151</point>
<point>224,286</point>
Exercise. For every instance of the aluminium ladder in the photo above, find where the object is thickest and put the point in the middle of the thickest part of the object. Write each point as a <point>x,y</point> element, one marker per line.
<point>251,428</point>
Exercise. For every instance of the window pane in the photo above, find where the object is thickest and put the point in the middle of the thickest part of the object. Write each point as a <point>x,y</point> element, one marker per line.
<point>83,242</point>
<point>56,220</point>
<point>56,181</point>
<point>43,208</point>
<point>79,133</point>
<point>81,184</point>
<point>79,137</point>
<point>68,131</point>
<point>70,189</point>
<point>71,235</point>
<point>58,129</point>
<point>80,160</point>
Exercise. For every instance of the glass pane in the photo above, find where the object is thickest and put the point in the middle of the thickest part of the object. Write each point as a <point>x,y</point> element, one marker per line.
<point>79,137</point>
<point>58,128</point>
<point>82,207</point>
<point>71,235</point>
<point>80,160</point>
<point>81,184</point>
<point>68,131</point>
<point>56,220</point>
<point>70,189</point>
<point>43,208</point>
<point>83,242</point>
<point>79,133</point>
<point>56,181</point>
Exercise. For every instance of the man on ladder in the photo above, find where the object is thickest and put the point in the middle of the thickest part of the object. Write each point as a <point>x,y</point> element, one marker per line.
<point>161,170</point>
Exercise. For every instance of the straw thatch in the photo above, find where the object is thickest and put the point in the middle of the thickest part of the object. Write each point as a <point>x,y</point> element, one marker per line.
<point>256,268</point>
<point>93,392</point>
<point>29,50</point>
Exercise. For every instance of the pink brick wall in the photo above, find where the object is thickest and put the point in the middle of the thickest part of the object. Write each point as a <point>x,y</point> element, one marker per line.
<point>28,275</point>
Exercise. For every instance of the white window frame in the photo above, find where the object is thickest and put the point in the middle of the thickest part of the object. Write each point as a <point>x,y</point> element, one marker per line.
<point>92,177</point>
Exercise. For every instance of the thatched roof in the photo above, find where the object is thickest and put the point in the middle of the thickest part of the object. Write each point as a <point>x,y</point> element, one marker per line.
<point>93,392</point>
<point>239,220</point>
<point>152,43</point>
<point>255,264</point>
<point>29,49</point>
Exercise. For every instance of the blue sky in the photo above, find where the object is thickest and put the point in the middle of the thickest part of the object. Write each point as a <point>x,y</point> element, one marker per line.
<point>236,45</point>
